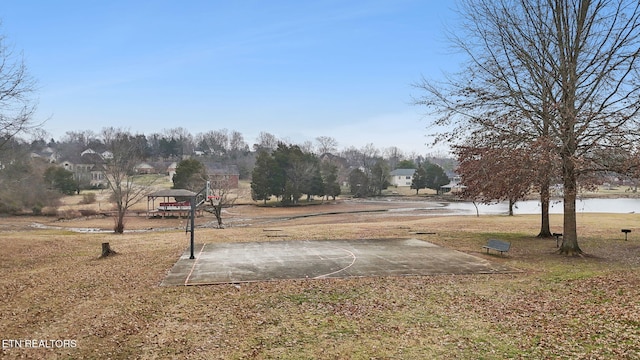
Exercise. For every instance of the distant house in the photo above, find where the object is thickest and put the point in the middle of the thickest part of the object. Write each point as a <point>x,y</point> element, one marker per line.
<point>88,151</point>
<point>47,153</point>
<point>144,168</point>
<point>223,174</point>
<point>402,177</point>
<point>88,168</point>
<point>107,154</point>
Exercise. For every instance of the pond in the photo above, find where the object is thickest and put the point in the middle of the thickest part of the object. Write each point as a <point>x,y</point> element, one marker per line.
<point>612,206</point>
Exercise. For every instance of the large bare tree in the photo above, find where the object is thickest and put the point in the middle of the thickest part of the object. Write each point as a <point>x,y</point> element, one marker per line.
<point>17,105</point>
<point>562,72</point>
<point>127,187</point>
<point>223,195</point>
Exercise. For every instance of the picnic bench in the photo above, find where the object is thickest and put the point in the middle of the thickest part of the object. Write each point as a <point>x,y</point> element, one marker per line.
<point>497,245</point>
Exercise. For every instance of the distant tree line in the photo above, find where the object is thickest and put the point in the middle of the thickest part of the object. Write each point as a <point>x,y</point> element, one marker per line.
<point>311,169</point>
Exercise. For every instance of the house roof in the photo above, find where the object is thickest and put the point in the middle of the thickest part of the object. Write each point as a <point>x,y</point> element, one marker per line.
<point>403,172</point>
<point>144,166</point>
<point>87,158</point>
<point>219,169</point>
<point>172,193</point>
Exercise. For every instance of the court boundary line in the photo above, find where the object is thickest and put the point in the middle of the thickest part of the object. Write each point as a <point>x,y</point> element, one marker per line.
<point>186,280</point>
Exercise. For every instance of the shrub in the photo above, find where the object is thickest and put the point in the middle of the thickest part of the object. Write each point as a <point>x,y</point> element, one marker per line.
<point>88,198</point>
<point>87,212</point>
<point>37,210</point>
<point>49,211</point>
<point>68,214</point>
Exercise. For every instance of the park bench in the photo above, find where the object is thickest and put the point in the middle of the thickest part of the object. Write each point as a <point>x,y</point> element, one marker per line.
<point>497,245</point>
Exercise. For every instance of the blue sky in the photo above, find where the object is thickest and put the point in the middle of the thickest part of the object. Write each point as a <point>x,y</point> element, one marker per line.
<point>296,69</point>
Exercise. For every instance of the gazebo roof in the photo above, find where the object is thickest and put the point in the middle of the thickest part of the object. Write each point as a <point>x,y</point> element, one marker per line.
<point>172,193</point>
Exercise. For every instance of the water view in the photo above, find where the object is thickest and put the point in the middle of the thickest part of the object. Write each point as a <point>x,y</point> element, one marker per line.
<point>613,206</point>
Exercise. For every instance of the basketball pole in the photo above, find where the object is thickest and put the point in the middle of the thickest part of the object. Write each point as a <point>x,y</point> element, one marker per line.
<point>193,217</point>
<point>206,190</point>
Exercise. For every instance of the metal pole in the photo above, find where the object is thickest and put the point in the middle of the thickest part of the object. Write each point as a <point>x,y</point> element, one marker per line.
<point>193,216</point>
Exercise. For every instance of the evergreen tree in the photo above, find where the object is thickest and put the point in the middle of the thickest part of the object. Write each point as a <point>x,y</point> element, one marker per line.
<point>406,164</point>
<point>61,180</point>
<point>435,176</point>
<point>419,180</point>
<point>379,177</point>
<point>262,180</point>
<point>330,180</point>
<point>314,186</point>
<point>359,183</point>
<point>190,174</point>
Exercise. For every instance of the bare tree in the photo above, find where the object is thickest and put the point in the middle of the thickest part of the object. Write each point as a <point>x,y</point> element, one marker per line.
<point>183,137</point>
<point>394,155</point>
<point>214,142</point>
<point>306,146</point>
<point>237,143</point>
<point>16,90</point>
<point>222,195</point>
<point>561,71</point>
<point>326,144</point>
<point>127,187</point>
<point>266,141</point>
<point>83,138</point>
<point>369,156</point>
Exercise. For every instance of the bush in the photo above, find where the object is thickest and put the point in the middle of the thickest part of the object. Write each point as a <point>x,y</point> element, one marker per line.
<point>68,214</point>
<point>37,210</point>
<point>88,198</point>
<point>88,212</point>
<point>49,211</point>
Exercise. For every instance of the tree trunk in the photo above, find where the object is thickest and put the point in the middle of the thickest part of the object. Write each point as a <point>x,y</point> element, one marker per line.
<point>118,220</point>
<point>545,225</point>
<point>118,227</point>
<point>570,234</point>
<point>218,212</point>
<point>511,202</point>
<point>106,250</point>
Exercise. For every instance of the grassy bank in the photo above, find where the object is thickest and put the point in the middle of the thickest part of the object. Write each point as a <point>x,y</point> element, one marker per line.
<point>55,287</point>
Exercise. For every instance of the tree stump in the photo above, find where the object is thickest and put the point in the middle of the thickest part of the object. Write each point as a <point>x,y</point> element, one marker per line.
<point>106,250</point>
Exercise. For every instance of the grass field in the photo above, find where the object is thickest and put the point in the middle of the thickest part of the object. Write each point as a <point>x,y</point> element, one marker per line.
<point>54,287</point>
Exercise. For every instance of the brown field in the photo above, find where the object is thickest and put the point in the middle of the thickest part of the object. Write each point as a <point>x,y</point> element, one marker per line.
<point>55,287</point>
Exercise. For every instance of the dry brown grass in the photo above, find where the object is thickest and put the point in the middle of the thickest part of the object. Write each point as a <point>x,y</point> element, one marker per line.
<point>54,286</point>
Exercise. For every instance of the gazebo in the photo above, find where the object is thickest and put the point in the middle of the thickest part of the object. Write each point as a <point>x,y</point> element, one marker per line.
<point>169,202</point>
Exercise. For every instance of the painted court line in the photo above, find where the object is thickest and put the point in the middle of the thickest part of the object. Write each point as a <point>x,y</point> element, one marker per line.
<point>344,268</point>
<point>195,261</point>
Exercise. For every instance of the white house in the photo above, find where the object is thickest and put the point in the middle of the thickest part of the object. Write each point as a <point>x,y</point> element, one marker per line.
<point>402,177</point>
<point>87,168</point>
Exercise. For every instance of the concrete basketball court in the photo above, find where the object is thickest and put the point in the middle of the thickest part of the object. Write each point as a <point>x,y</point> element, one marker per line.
<point>321,259</point>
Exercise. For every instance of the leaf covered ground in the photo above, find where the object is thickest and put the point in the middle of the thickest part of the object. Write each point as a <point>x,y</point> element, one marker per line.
<point>55,287</point>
